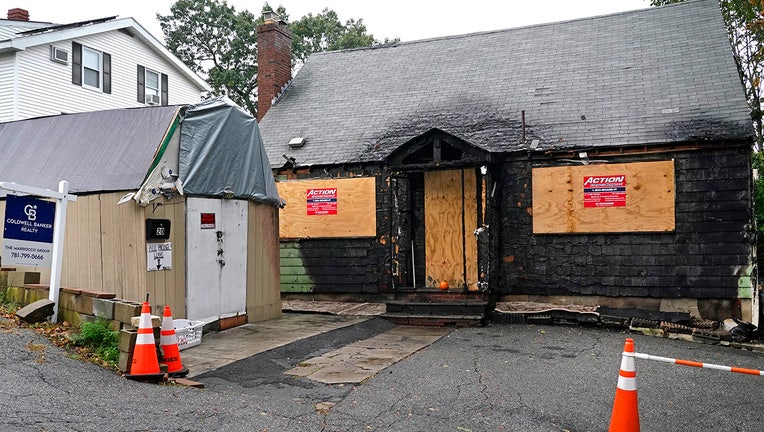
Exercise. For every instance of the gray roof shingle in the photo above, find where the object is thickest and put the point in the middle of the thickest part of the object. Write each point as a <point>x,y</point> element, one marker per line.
<point>656,75</point>
<point>94,151</point>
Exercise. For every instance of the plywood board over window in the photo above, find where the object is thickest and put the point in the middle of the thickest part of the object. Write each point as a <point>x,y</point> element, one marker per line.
<point>335,208</point>
<point>630,197</point>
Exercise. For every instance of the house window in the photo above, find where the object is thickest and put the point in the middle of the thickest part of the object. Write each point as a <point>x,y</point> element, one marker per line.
<point>91,68</point>
<point>152,87</point>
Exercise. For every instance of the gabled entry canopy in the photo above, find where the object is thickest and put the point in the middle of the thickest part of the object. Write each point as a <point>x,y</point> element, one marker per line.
<point>436,148</point>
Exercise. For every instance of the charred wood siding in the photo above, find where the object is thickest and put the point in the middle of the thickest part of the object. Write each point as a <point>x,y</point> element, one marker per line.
<point>708,256</point>
<point>332,266</point>
<point>341,265</point>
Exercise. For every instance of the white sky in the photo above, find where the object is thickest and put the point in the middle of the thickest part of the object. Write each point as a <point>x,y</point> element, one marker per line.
<point>406,19</point>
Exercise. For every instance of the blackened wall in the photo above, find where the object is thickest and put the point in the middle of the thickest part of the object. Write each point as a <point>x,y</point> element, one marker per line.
<point>341,265</point>
<point>708,256</point>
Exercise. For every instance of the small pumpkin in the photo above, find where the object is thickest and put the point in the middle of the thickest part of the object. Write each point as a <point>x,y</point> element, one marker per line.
<point>444,285</point>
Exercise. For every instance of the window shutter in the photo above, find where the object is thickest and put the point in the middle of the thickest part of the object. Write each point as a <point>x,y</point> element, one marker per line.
<point>141,84</point>
<point>76,63</point>
<point>165,95</point>
<point>107,73</point>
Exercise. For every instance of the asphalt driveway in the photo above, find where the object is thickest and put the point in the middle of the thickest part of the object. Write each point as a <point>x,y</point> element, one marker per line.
<point>501,377</point>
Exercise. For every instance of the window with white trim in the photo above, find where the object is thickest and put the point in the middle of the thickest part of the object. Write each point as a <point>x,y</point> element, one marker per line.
<point>152,86</point>
<point>91,68</point>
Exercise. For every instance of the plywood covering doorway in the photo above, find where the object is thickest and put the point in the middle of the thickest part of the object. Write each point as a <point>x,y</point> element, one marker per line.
<point>450,213</point>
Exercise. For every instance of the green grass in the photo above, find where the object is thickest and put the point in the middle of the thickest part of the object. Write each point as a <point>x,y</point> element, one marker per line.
<point>7,306</point>
<point>100,338</point>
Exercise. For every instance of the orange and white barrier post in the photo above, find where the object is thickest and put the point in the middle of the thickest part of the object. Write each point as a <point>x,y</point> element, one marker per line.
<point>169,342</point>
<point>699,364</point>
<point>625,416</point>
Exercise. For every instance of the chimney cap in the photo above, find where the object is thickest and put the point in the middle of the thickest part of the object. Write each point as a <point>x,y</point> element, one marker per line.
<point>270,15</point>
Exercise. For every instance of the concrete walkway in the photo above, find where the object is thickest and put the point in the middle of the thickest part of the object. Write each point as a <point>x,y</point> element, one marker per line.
<point>362,360</point>
<point>221,348</point>
<point>353,363</point>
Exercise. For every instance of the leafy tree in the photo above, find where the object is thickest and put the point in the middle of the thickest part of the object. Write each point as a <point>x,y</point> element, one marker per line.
<point>212,39</point>
<point>220,44</point>
<point>325,32</point>
<point>758,198</point>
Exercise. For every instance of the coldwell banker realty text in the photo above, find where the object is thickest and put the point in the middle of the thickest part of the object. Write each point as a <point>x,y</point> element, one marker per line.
<point>28,233</point>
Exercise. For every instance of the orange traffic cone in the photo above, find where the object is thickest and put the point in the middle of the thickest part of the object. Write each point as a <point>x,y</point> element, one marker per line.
<point>625,417</point>
<point>145,366</point>
<point>170,351</point>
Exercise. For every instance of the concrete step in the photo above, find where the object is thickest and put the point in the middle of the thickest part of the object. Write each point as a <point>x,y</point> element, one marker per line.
<point>401,318</point>
<point>430,294</point>
<point>442,308</point>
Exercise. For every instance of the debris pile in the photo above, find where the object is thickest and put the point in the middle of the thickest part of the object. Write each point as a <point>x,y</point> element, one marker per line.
<point>664,324</point>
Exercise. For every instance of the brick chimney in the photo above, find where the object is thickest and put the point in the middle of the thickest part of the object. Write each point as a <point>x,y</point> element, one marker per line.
<point>18,14</point>
<point>274,60</point>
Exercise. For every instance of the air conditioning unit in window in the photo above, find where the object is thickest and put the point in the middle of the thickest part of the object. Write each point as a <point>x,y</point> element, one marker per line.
<point>58,55</point>
<point>152,99</point>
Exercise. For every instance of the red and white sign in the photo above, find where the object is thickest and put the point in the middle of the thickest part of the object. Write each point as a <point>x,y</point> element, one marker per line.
<point>321,201</point>
<point>605,191</point>
<point>208,221</point>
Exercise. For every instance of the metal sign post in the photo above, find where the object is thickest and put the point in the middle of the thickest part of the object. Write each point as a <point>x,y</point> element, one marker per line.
<point>59,226</point>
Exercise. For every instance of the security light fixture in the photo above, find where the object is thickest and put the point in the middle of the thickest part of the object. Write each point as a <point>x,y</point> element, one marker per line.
<point>227,192</point>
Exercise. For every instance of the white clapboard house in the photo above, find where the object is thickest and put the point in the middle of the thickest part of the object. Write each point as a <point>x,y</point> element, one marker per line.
<point>49,69</point>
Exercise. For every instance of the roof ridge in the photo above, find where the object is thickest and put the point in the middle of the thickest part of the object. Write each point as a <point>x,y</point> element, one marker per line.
<point>511,29</point>
<point>56,27</point>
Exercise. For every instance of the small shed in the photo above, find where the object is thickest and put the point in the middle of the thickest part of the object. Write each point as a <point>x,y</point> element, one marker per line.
<point>175,202</point>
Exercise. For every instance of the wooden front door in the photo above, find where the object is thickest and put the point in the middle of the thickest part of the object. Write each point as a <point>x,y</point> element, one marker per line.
<point>450,212</point>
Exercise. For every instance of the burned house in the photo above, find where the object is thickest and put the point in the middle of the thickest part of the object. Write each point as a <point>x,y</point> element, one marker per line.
<point>600,161</point>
